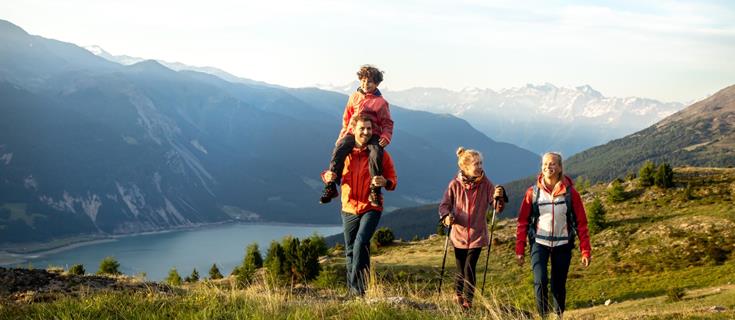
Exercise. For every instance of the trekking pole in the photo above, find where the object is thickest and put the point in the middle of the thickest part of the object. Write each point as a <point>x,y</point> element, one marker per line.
<point>444,260</point>
<point>489,247</point>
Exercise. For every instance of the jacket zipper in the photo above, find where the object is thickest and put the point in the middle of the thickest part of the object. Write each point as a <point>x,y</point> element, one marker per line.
<point>553,216</point>
<point>358,184</point>
<point>469,215</point>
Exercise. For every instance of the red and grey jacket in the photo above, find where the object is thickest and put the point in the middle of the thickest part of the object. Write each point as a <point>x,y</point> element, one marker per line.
<point>468,202</point>
<point>547,218</point>
<point>374,106</point>
<point>355,186</point>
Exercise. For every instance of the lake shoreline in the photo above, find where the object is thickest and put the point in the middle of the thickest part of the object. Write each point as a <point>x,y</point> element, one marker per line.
<point>10,257</point>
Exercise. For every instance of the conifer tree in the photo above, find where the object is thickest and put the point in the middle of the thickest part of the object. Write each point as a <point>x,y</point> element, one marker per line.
<point>194,276</point>
<point>214,273</point>
<point>664,176</point>
<point>616,192</point>
<point>253,257</point>
<point>582,184</point>
<point>275,263</point>
<point>291,252</point>
<point>596,214</point>
<point>245,272</point>
<point>645,174</point>
<point>306,266</point>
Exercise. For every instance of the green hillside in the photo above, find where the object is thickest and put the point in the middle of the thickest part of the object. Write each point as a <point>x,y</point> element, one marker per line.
<point>701,135</point>
<point>656,242</point>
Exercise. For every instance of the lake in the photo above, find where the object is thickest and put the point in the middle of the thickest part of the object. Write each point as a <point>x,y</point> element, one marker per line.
<point>156,254</point>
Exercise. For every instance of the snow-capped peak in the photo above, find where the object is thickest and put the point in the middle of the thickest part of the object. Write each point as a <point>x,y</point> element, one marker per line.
<point>96,50</point>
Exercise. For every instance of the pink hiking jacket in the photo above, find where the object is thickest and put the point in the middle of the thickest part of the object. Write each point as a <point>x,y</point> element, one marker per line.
<point>468,202</point>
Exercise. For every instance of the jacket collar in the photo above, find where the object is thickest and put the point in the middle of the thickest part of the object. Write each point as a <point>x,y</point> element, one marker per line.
<point>470,183</point>
<point>374,93</point>
<point>559,189</point>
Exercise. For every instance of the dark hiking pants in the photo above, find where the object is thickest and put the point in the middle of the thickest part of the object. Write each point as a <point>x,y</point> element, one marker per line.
<point>358,230</point>
<point>560,258</point>
<point>345,146</point>
<point>464,281</point>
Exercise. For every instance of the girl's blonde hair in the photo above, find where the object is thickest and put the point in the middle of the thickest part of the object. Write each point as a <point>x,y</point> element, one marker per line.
<point>465,156</point>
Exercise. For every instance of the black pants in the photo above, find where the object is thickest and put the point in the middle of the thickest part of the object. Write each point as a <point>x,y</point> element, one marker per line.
<point>464,282</point>
<point>345,146</point>
<point>560,257</point>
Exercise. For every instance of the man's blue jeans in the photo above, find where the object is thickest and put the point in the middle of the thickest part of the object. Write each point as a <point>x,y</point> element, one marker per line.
<point>358,230</point>
<point>560,257</point>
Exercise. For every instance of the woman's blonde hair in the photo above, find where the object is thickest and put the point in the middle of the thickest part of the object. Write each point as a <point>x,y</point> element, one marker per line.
<point>465,156</point>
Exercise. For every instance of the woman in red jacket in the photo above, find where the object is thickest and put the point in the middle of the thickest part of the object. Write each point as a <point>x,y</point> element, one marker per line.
<point>550,221</point>
<point>464,207</point>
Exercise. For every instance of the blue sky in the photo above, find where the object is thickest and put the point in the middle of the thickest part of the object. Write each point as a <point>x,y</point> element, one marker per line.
<point>667,50</point>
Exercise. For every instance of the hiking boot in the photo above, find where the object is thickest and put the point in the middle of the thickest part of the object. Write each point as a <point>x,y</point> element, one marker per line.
<point>375,198</point>
<point>330,192</point>
<point>458,299</point>
<point>467,305</point>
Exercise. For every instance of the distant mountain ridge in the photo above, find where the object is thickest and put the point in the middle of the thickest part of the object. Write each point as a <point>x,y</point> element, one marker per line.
<point>90,146</point>
<point>538,117</point>
<point>176,66</point>
<point>702,134</point>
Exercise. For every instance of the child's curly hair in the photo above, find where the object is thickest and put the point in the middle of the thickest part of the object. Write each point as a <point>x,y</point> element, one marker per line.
<point>370,72</point>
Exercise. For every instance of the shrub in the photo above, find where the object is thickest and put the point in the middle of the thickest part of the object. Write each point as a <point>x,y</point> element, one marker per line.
<point>615,192</point>
<point>441,229</point>
<point>109,266</point>
<point>173,278</point>
<point>244,275</point>
<point>214,273</point>
<point>645,174</point>
<point>374,247</point>
<point>582,184</point>
<point>664,176</point>
<point>293,260</point>
<point>674,294</point>
<point>330,278</point>
<point>320,243</point>
<point>630,176</point>
<point>689,192</point>
<point>384,236</point>
<point>596,214</point>
<point>77,269</point>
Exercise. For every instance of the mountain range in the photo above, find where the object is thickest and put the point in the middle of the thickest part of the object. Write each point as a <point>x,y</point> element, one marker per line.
<point>540,118</point>
<point>701,135</point>
<point>91,146</point>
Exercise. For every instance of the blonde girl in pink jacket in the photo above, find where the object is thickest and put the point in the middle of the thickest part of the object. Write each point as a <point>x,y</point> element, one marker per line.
<point>464,207</point>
